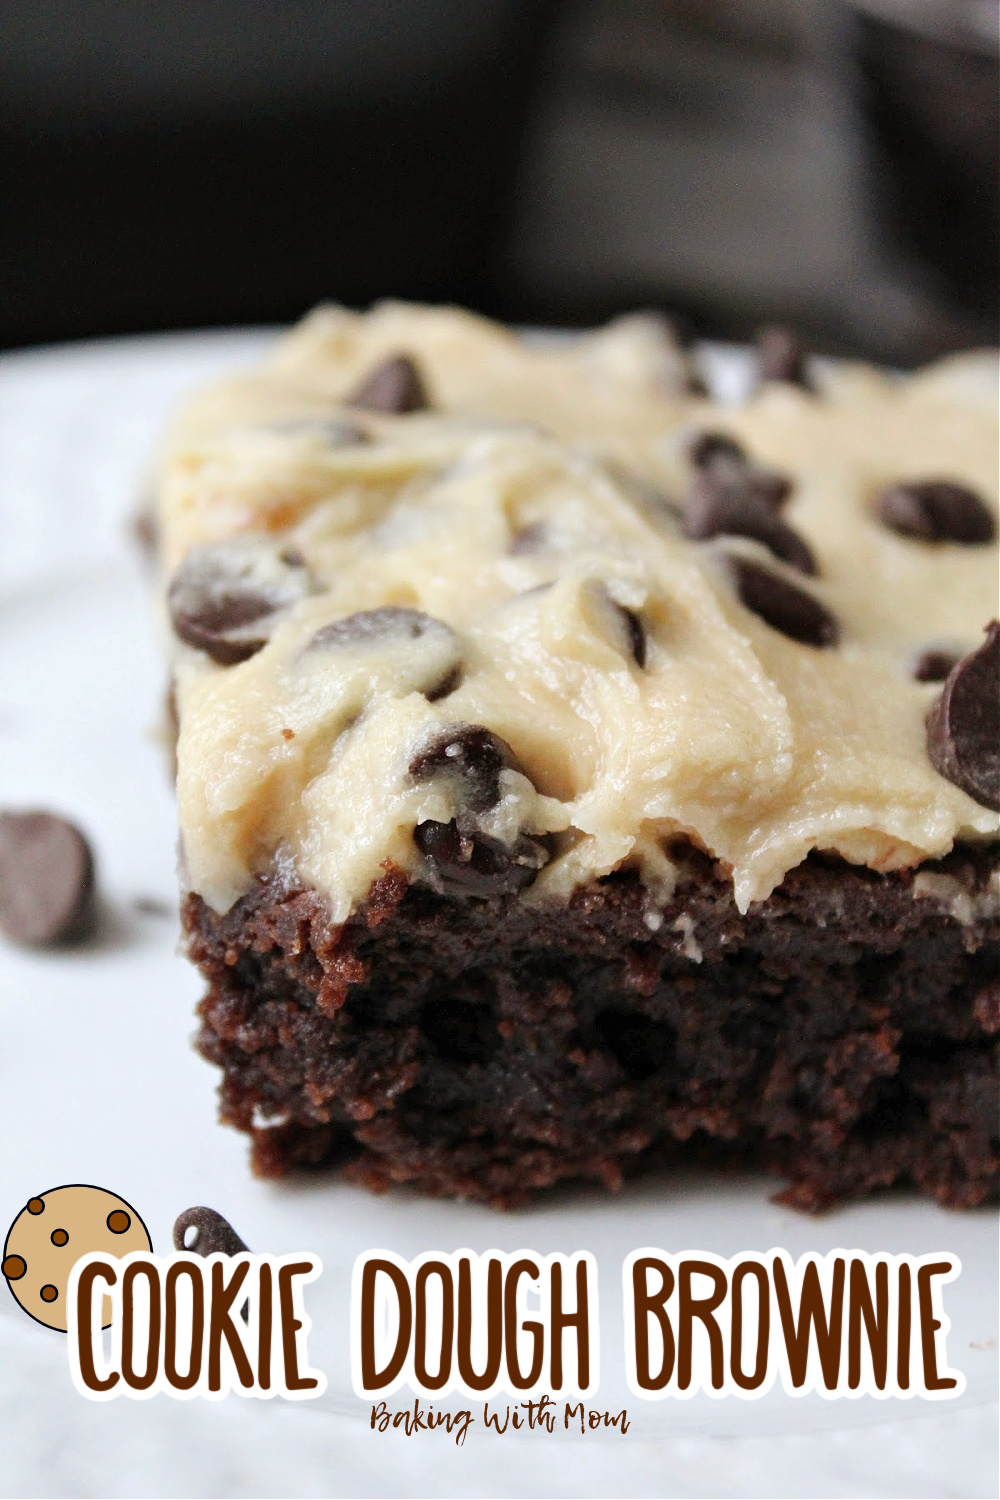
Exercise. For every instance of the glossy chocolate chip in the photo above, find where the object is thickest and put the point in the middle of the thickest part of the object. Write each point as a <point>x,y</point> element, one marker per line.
<point>472,864</point>
<point>933,666</point>
<point>224,598</point>
<point>715,509</point>
<point>469,755</point>
<point>394,386</point>
<point>780,356</point>
<point>963,725</point>
<point>212,1234</point>
<point>936,510</point>
<point>46,880</point>
<point>783,606</point>
<point>371,625</point>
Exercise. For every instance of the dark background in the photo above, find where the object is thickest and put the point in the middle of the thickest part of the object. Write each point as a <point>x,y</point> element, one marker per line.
<point>833,164</point>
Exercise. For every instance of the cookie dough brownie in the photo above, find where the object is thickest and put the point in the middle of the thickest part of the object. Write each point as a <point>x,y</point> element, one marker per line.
<point>575,773</point>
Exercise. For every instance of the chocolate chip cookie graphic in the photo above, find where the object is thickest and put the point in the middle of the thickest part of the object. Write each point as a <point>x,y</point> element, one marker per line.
<point>51,1233</point>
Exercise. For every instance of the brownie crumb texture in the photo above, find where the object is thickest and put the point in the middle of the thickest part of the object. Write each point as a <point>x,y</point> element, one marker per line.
<point>842,1035</point>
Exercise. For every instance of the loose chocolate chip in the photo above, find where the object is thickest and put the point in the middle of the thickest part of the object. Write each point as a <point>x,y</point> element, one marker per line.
<point>935,510</point>
<point>46,880</point>
<point>707,448</point>
<point>472,756</point>
<point>783,606</point>
<point>394,386</point>
<point>466,864</point>
<point>223,599</point>
<point>370,625</point>
<point>780,356</point>
<point>963,725</point>
<point>715,509</point>
<point>213,1234</point>
<point>933,666</point>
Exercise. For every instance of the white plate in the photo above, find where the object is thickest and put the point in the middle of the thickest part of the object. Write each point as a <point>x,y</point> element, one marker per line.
<point>97,1076</point>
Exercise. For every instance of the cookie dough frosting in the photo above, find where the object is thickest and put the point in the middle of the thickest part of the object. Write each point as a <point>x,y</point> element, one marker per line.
<point>511,617</point>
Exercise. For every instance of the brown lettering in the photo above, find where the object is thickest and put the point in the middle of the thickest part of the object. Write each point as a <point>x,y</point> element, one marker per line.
<point>758,1271</point>
<point>645,1303</point>
<point>519,1380</point>
<point>265,1316</point>
<point>433,1268</point>
<point>580,1320</point>
<point>221,1326</point>
<point>690,1307</point>
<point>929,1324</point>
<point>859,1305</point>
<point>494,1324</point>
<point>573,1411</point>
<point>812,1312</point>
<point>903,1331</point>
<point>290,1324</point>
<point>145,1380</point>
<point>84,1300</point>
<point>175,1271</point>
<point>371,1378</point>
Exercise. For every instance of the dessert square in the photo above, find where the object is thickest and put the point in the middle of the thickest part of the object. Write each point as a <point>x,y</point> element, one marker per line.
<point>577,774</point>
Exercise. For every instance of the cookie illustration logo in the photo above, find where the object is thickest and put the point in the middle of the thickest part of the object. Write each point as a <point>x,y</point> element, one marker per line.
<point>52,1232</point>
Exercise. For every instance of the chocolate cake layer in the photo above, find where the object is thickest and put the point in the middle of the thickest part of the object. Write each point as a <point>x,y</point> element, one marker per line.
<point>842,1034</point>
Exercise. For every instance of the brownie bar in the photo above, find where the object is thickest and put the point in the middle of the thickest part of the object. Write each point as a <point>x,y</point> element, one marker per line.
<point>576,773</point>
<point>842,1034</point>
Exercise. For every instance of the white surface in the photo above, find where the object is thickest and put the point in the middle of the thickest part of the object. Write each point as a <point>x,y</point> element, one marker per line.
<point>99,1084</point>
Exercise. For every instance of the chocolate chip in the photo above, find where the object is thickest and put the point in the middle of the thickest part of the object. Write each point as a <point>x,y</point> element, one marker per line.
<point>443,689</point>
<point>213,1234</point>
<point>394,386</point>
<point>466,864</point>
<point>708,448</point>
<point>636,634</point>
<point>224,598</point>
<point>933,666</point>
<point>370,625</point>
<point>529,539</point>
<point>715,509</point>
<point>783,606</point>
<point>472,757</point>
<point>935,510</point>
<point>46,880</point>
<point>963,725</point>
<point>780,356</point>
<point>722,463</point>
